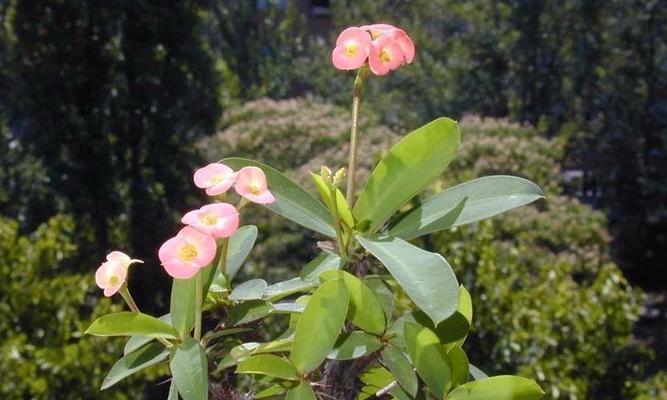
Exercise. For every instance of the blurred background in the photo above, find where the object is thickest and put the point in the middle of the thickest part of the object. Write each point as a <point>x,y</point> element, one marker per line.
<point>106,109</point>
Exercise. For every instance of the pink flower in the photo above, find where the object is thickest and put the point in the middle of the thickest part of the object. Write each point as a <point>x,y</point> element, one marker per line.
<point>378,29</point>
<point>389,47</point>
<point>385,55</point>
<point>404,42</point>
<point>217,219</point>
<point>183,255</point>
<point>216,178</point>
<point>111,275</point>
<point>251,184</point>
<point>351,49</point>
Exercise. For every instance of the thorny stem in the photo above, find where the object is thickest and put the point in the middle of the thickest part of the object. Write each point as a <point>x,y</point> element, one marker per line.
<point>125,294</point>
<point>352,166</point>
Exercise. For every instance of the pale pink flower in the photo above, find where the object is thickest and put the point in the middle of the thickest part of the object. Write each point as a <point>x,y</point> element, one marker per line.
<point>251,184</point>
<point>404,42</point>
<point>217,219</point>
<point>216,178</point>
<point>190,250</point>
<point>378,29</point>
<point>352,47</point>
<point>111,275</point>
<point>385,55</point>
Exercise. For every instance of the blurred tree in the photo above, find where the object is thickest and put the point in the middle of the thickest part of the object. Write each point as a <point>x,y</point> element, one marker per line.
<point>259,42</point>
<point>110,97</point>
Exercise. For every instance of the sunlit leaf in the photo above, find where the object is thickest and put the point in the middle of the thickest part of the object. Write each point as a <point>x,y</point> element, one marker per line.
<point>292,201</point>
<point>365,311</point>
<point>405,170</point>
<point>268,364</point>
<point>503,387</point>
<point>426,277</point>
<point>429,358</point>
<point>189,368</point>
<point>319,325</point>
<point>466,203</point>
<point>131,324</point>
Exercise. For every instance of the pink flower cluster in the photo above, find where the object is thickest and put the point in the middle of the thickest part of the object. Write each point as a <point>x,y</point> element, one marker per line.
<point>385,46</point>
<point>194,246</point>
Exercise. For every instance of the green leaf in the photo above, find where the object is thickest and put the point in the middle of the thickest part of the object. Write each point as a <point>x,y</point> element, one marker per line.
<point>382,293</point>
<point>239,247</point>
<point>249,290</point>
<point>324,315</point>
<point>189,367</point>
<point>136,342</point>
<point>324,262</point>
<point>405,170</point>
<point>131,324</point>
<point>182,306</point>
<point>455,328</point>
<point>458,363</point>
<point>173,391</point>
<point>399,365</point>
<point>248,311</point>
<point>426,277</point>
<point>476,373</point>
<point>365,311</point>
<point>292,201</point>
<point>151,354</point>
<point>283,289</point>
<point>353,345</point>
<point>302,391</point>
<point>429,358</point>
<point>503,387</point>
<point>466,203</point>
<point>268,364</point>
<point>271,391</point>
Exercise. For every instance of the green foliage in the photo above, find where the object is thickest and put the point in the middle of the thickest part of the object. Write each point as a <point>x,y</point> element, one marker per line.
<point>518,267</point>
<point>43,313</point>
<point>131,324</point>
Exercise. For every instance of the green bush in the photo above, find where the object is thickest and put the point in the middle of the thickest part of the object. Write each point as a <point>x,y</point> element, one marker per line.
<point>549,302</point>
<point>43,354</point>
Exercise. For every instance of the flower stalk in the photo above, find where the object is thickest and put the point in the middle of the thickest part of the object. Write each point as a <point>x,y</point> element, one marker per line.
<point>357,92</point>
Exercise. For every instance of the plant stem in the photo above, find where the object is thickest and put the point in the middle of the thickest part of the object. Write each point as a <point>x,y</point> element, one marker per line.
<point>357,91</point>
<point>198,305</point>
<point>125,294</point>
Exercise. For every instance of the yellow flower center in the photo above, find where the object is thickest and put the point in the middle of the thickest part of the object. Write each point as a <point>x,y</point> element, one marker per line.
<point>351,49</point>
<point>216,179</point>
<point>385,56</point>
<point>255,189</point>
<point>113,281</point>
<point>209,219</point>
<point>187,252</point>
